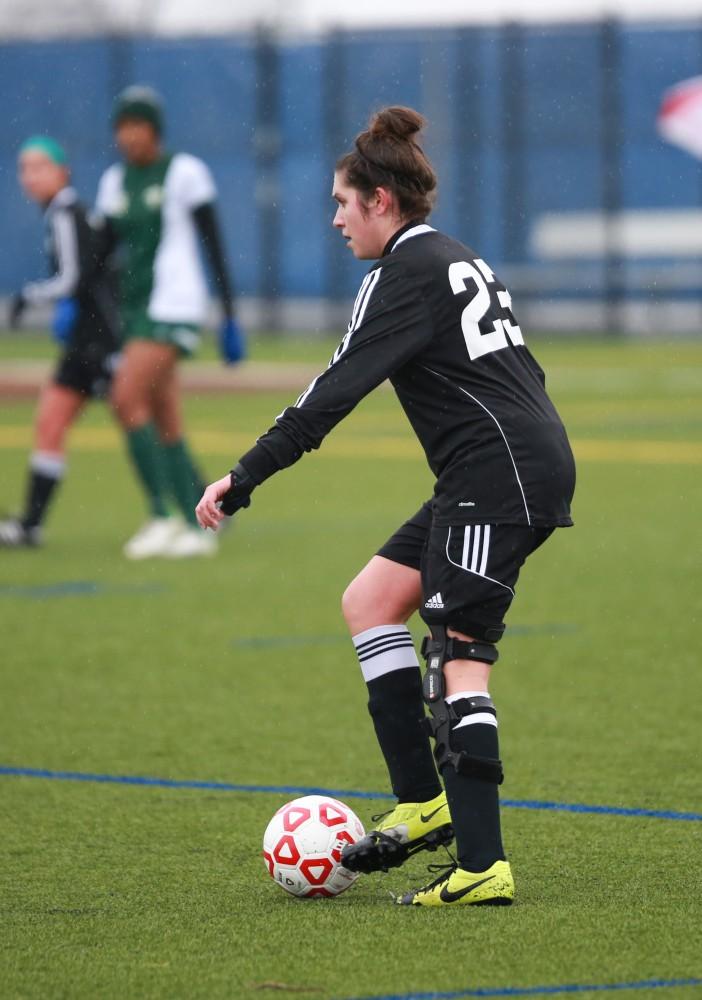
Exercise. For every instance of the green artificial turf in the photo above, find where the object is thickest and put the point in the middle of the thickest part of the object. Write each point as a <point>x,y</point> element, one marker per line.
<point>237,670</point>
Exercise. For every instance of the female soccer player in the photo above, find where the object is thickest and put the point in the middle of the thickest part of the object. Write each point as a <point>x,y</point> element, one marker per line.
<point>432,317</point>
<point>85,324</point>
<point>156,207</point>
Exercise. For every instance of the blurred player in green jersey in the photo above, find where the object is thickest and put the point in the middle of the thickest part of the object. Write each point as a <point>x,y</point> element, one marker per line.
<point>156,208</point>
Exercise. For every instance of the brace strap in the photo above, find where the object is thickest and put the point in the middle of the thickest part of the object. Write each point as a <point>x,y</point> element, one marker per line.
<point>454,711</point>
<point>444,716</point>
<point>484,768</point>
<point>439,727</point>
<point>459,649</point>
<point>469,706</point>
<point>439,648</point>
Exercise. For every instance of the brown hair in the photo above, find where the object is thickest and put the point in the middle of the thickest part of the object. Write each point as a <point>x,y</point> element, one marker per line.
<point>386,155</point>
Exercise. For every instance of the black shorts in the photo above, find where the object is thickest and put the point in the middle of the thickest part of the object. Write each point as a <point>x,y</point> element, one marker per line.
<point>468,572</point>
<point>85,371</point>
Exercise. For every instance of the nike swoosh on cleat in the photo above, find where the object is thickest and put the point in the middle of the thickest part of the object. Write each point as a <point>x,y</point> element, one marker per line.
<point>446,896</point>
<point>425,819</point>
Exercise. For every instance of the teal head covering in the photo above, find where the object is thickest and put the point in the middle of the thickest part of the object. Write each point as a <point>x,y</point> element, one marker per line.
<point>142,103</point>
<point>52,149</point>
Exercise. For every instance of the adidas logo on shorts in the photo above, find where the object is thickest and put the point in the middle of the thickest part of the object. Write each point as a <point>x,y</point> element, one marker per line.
<point>436,602</point>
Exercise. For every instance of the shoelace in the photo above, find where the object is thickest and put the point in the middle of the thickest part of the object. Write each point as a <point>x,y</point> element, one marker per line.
<point>446,873</point>
<point>379,816</point>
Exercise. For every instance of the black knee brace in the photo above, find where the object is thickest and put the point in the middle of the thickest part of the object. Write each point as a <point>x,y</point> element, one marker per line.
<point>438,649</point>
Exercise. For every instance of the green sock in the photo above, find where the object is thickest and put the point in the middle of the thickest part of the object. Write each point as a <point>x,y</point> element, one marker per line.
<point>147,455</point>
<point>184,478</point>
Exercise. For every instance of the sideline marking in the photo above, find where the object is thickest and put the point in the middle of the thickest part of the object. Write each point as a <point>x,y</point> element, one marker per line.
<point>77,588</point>
<point>337,793</point>
<point>277,641</point>
<point>534,991</point>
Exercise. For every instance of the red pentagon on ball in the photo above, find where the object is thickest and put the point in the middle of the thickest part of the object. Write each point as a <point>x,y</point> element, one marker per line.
<point>294,817</point>
<point>331,815</point>
<point>286,844</point>
<point>323,867</point>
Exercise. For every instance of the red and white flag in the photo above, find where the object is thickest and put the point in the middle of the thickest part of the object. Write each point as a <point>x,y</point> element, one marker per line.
<point>680,115</point>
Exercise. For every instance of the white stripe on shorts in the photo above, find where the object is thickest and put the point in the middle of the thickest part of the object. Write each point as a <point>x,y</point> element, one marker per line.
<point>480,552</point>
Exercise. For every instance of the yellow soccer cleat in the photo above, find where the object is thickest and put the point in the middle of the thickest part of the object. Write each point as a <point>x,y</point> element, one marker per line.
<point>406,829</point>
<point>457,887</point>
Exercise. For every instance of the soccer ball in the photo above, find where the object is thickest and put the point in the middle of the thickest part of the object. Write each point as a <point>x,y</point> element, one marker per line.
<point>303,842</point>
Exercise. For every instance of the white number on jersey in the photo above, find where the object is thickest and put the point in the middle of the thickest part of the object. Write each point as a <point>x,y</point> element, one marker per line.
<point>479,338</point>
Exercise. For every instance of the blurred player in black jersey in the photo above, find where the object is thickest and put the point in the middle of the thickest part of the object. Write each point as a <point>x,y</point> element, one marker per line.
<point>432,317</point>
<point>84,323</point>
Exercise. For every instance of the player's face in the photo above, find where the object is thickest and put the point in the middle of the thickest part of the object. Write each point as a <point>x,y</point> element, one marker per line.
<point>137,140</point>
<point>363,230</point>
<point>41,179</point>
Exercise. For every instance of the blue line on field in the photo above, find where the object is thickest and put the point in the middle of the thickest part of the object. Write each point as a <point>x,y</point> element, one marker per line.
<point>214,786</point>
<point>276,641</point>
<point>339,793</point>
<point>535,991</point>
<point>546,628</point>
<point>76,588</point>
<point>577,807</point>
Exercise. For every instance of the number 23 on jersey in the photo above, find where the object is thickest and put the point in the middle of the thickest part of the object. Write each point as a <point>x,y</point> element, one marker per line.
<point>480,336</point>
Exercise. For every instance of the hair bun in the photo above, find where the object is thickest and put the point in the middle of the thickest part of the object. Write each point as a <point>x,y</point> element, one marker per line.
<point>388,155</point>
<point>395,122</point>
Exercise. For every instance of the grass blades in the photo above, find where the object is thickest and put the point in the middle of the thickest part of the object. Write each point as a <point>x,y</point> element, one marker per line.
<point>238,670</point>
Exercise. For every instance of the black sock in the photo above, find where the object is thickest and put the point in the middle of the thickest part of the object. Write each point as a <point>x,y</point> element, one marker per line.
<point>45,473</point>
<point>391,671</point>
<point>473,802</point>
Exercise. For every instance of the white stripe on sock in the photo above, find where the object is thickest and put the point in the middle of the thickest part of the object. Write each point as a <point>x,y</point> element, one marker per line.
<point>465,694</point>
<point>486,718</point>
<point>472,720</point>
<point>383,649</point>
<point>48,464</point>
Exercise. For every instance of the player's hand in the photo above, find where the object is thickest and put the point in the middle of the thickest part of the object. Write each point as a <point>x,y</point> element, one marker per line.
<point>225,497</point>
<point>208,512</point>
<point>232,342</point>
<point>17,307</point>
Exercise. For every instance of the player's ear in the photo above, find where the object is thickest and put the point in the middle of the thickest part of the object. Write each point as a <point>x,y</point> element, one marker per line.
<point>383,200</point>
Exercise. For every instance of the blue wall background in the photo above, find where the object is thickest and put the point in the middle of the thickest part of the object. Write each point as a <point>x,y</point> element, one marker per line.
<point>523,120</point>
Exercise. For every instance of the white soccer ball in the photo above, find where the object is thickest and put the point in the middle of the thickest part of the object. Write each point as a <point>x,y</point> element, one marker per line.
<point>303,842</point>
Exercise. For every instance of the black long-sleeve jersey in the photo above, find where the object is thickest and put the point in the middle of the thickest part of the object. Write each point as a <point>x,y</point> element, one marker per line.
<point>76,273</point>
<point>431,317</point>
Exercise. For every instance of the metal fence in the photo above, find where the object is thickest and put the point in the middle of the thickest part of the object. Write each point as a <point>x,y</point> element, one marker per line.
<point>543,137</point>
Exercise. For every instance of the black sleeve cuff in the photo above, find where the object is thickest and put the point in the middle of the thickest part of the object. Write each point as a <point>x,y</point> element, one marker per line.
<point>239,493</point>
<point>261,462</point>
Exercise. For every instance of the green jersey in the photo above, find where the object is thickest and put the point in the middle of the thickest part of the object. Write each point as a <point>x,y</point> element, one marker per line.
<point>151,209</point>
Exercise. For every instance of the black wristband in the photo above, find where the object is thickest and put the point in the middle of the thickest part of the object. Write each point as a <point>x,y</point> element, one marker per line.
<point>239,493</point>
